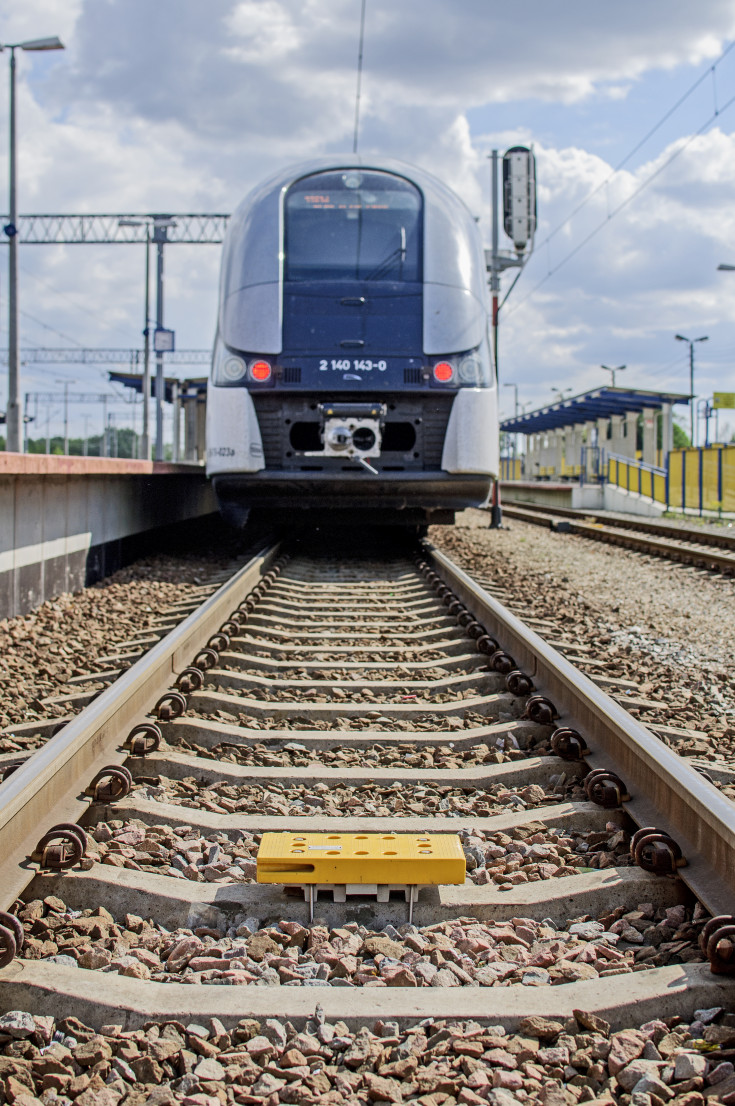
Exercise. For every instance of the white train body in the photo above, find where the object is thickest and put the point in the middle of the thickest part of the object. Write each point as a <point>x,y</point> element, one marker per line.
<point>352,365</point>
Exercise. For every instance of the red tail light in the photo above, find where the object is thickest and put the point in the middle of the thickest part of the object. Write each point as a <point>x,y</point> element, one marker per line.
<point>443,371</point>
<point>260,371</point>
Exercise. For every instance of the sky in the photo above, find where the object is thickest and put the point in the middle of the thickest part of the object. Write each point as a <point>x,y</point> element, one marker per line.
<point>183,106</point>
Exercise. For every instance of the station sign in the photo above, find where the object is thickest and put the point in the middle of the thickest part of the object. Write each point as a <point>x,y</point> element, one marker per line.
<point>519,196</point>
<point>163,340</point>
<point>721,400</point>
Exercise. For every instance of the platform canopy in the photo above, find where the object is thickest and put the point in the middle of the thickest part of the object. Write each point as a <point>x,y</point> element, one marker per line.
<point>187,388</point>
<point>600,403</point>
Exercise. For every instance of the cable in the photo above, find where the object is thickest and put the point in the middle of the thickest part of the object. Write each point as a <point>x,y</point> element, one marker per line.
<point>53,329</point>
<point>78,306</point>
<point>641,143</point>
<point>359,77</point>
<point>616,211</point>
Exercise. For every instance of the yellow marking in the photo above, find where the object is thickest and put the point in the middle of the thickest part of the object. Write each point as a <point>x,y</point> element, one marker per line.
<point>376,858</point>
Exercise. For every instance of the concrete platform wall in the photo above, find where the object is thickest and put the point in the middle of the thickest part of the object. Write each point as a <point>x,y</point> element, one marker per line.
<point>66,522</point>
<point>546,494</point>
<point>587,497</point>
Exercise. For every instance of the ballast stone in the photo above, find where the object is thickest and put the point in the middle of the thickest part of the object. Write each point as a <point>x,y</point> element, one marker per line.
<point>17,1023</point>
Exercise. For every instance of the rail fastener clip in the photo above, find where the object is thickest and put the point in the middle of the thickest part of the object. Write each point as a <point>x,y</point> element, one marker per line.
<point>360,863</point>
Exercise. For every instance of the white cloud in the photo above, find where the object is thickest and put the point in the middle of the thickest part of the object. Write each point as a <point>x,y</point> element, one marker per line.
<point>183,106</point>
<point>649,273</point>
<point>265,32</point>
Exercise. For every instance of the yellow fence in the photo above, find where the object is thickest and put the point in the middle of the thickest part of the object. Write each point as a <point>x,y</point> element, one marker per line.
<point>510,469</point>
<point>702,479</point>
<point>636,477</point>
<point>695,479</point>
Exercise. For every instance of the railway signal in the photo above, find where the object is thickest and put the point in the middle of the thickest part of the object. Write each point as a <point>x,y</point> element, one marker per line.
<point>519,222</point>
<point>519,197</point>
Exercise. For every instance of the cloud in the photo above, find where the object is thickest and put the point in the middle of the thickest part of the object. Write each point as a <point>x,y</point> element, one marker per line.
<point>183,106</point>
<point>649,273</point>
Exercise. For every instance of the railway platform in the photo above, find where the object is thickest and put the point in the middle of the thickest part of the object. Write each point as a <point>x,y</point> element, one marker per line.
<point>69,521</point>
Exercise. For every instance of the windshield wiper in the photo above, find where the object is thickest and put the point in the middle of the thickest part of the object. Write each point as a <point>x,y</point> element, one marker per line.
<point>398,254</point>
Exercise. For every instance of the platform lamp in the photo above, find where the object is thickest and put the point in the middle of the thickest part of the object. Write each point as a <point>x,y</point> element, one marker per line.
<point>514,386</point>
<point>145,438</point>
<point>159,224</point>
<point>14,421</point>
<point>617,369</point>
<point>690,342</point>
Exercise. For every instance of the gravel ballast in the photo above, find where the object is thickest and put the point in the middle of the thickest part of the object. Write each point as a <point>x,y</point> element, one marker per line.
<point>64,637</point>
<point>669,627</point>
<point>435,1063</point>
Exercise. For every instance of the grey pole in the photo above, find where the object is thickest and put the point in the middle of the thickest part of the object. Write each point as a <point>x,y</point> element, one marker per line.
<point>692,413</point>
<point>145,443</point>
<point>104,452</point>
<point>514,386</point>
<point>494,273</point>
<point>66,418</point>
<point>692,419</point>
<point>159,236</point>
<point>617,369</point>
<point>13,412</point>
<point>176,403</point>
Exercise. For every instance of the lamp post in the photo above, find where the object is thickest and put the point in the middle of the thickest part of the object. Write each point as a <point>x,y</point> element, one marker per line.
<point>562,393</point>
<point>617,369</point>
<point>160,225</point>
<point>145,438</point>
<point>15,439</point>
<point>704,411</point>
<point>510,384</point>
<point>690,342</point>
<point>66,384</point>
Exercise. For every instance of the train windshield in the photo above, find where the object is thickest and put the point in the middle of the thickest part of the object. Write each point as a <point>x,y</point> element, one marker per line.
<point>353,225</point>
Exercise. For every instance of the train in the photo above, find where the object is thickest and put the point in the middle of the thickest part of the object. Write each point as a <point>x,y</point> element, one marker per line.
<point>352,371</point>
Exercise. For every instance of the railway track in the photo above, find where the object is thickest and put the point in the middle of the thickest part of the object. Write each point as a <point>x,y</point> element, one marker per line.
<point>704,549</point>
<point>361,692</point>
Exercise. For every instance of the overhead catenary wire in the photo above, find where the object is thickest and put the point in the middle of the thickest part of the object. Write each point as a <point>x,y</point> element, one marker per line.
<point>616,211</point>
<point>359,77</point>
<point>641,143</point>
<point>70,299</point>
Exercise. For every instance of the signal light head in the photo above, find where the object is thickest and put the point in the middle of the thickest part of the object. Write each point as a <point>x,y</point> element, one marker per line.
<point>260,371</point>
<point>443,372</point>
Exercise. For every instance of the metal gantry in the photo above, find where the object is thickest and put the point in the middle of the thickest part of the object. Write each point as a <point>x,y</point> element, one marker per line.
<point>86,356</point>
<point>74,230</point>
<point>188,228</point>
<point>67,397</point>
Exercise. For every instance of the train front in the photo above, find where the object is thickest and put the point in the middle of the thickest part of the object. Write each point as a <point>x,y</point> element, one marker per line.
<point>352,367</point>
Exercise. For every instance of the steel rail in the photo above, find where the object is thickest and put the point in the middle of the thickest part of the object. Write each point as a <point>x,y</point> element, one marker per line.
<point>675,550</point>
<point>644,526</point>
<point>49,787</point>
<point>666,792</point>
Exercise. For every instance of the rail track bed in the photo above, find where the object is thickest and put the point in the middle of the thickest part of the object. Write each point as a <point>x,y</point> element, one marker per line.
<point>366,692</point>
<point>704,548</point>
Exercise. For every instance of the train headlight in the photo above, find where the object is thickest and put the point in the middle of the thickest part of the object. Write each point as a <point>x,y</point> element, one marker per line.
<point>444,372</point>
<point>260,371</point>
<point>233,368</point>
<point>470,370</point>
